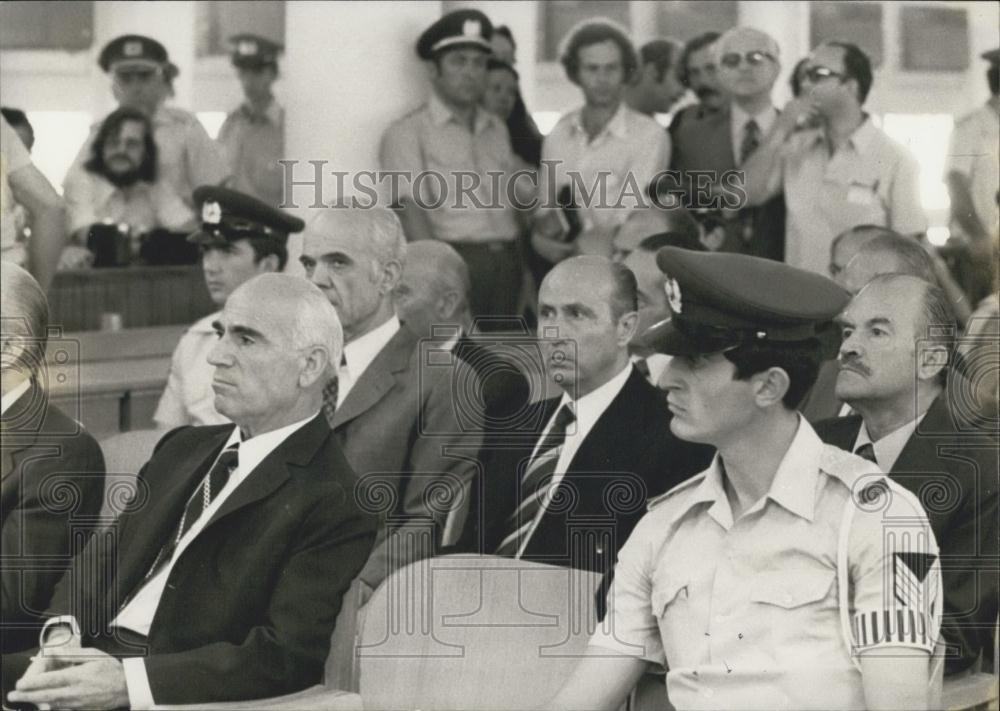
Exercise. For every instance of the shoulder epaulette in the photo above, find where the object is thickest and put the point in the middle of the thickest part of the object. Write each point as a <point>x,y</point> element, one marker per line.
<point>845,466</point>
<point>683,486</point>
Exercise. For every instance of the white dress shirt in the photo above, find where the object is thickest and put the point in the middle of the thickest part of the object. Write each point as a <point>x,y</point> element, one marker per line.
<point>9,398</point>
<point>887,449</point>
<point>138,614</point>
<point>738,119</point>
<point>359,353</point>
<point>588,409</point>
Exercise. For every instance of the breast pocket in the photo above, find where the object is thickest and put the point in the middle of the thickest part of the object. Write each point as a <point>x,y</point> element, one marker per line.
<point>799,604</point>
<point>672,608</point>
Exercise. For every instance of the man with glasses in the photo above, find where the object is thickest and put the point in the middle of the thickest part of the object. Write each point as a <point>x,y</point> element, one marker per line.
<point>834,166</point>
<point>187,156</point>
<point>722,141</point>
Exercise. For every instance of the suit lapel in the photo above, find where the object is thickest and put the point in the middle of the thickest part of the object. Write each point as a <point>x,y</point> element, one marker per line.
<point>20,428</point>
<point>378,378</point>
<point>920,452</point>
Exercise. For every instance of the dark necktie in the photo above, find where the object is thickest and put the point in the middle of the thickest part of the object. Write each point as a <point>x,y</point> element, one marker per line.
<point>642,365</point>
<point>330,391</point>
<point>200,500</point>
<point>867,450</point>
<point>751,140</point>
<point>536,483</point>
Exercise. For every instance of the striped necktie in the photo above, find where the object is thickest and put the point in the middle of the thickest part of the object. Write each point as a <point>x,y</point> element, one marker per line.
<point>751,140</point>
<point>331,392</point>
<point>201,499</point>
<point>536,483</point>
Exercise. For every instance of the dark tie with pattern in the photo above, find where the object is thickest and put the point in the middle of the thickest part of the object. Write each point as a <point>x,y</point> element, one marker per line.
<point>751,140</point>
<point>536,483</point>
<point>330,391</point>
<point>200,500</point>
<point>867,450</point>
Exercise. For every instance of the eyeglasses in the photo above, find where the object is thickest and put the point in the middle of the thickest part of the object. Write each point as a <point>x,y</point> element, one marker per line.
<point>819,73</point>
<point>754,59</point>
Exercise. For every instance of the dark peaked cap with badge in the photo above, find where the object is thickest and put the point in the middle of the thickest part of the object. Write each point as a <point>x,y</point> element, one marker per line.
<point>456,29</point>
<point>254,52</point>
<point>720,300</point>
<point>228,215</point>
<point>134,50</point>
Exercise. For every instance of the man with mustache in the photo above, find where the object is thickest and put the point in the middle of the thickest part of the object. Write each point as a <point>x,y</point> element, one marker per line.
<point>698,72</point>
<point>240,237</point>
<point>455,138</point>
<point>912,421</point>
<point>121,185</point>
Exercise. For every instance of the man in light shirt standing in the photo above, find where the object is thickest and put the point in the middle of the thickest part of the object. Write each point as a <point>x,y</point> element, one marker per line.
<point>228,569</point>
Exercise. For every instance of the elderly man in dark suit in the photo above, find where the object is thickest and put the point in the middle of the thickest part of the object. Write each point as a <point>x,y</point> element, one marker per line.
<point>230,566</point>
<point>898,341</point>
<point>403,417</point>
<point>53,471</point>
<point>571,493</point>
<point>721,141</point>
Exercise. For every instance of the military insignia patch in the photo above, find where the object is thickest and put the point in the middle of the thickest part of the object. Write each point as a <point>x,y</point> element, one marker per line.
<point>246,47</point>
<point>472,28</point>
<point>673,291</point>
<point>909,577</point>
<point>132,49</point>
<point>211,213</point>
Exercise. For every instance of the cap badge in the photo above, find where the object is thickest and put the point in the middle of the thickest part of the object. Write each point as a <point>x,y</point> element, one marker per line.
<point>132,48</point>
<point>673,290</point>
<point>246,47</point>
<point>472,28</point>
<point>211,213</point>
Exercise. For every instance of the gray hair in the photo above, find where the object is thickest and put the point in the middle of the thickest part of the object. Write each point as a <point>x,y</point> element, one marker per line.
<point>24,310</point>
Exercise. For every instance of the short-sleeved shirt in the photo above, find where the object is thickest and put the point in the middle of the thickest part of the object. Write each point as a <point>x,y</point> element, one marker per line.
<point>187,157</point>
<point>432,141</point>
<point>188,398</point>
<point>975,153</point>
<point>254,142</point>
<point>869,180</point>
<point>625,157</point>
<point>91,199</point>
<point>13,157</point>
<point>745,613</point>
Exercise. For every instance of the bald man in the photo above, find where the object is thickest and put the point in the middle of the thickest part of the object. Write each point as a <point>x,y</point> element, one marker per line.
<point>608,431</point>
<point>45,456</point>
<point>404,416</point>
<point>748,62</point>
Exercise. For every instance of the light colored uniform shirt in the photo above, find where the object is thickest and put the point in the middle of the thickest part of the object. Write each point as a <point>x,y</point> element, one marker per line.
<point>138,613</point>
<point>745,613</point>
<point>587,411</point>
<point>359,353</point>
<point>870,180</point>
<point>187,157</point>
<point>618,165</point>
<point>13,157</point>
<point>91,199</point>
<point>738,119</point>
<point>188,398</point>
<point>975,153</point>
<point>431,140</point>
<point>254,142</point>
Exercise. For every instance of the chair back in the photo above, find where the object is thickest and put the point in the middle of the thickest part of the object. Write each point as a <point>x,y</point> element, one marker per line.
<point>461,632</point>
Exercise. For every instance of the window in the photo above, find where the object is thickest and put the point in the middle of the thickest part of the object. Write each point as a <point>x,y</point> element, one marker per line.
<point>558,17</point>
<point>58,138</point>
<point>216,21</point>
<point>857,22</point>
<point>65,26</point>
<point>934,39</point>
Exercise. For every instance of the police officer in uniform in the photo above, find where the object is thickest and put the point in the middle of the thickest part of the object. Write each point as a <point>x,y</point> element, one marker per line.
<point>240,237</point>
<point>253,135</point>
<point>789,574</point>
<point>187,157</point>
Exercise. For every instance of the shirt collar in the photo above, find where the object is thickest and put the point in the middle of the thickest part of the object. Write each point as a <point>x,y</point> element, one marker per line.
<point>864,135</point>
<point>359,353</point>
<point>793,486</point>
<point>888,449</point>
<point>441,114</point>
<point>617,126</point>
<point>765,119</point>
<point>589,408</point>
<point>9,398</point>
<point>254,450</point>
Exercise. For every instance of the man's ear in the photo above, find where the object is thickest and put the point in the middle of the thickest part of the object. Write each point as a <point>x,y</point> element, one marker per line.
<point>268,264</point>
<point>389,275</point>
<point>446,304</point>
<point>931,360</point>
<point>316,366</point>
<point>431,67</point>
<point>627,325</point>
<point>771,386</point>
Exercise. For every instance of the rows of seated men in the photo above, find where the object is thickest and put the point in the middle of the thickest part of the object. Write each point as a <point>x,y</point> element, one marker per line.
<point>343,424</point>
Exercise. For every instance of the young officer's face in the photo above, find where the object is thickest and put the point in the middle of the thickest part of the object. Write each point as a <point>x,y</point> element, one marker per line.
<point>601,73</point>
<point>708,403</point>
<point>459,75</point>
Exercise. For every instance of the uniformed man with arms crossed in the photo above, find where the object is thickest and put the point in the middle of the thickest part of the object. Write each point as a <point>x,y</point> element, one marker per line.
<point>789,574</point>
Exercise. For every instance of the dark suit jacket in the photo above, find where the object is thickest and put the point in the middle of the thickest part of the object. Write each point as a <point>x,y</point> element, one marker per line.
<point>702,142</point>
<point>954,473</point>
<point>628,456</point>
<point>411,427</point>
<point>50,497</point>
<point>250,604</point>
<point>506,392</point>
